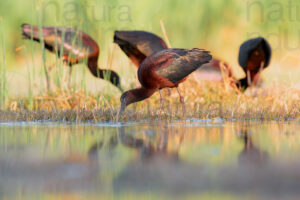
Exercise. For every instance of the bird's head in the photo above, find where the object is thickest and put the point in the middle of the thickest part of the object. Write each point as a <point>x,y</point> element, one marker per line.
<point>125,98</point>
<point>35,32</point>
<point>133,96</point>
<point>29,31</point>
<point>117,39</point>
<point>242,84</point>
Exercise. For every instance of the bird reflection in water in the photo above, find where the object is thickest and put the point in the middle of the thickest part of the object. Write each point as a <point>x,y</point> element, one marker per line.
<point>147,150</point>
<point>251,154</point>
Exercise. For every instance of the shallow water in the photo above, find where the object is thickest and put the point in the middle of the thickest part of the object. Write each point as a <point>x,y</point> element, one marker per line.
<point>195,159</point>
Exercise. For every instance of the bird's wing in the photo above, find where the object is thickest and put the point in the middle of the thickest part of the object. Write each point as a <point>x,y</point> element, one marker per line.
<point>38,34</point>
<point>146,42</point>
<point>248,46</point>
<point>151,45</point>
<point>176,64</point>
<point>66,41</point>
<point>75,44</point>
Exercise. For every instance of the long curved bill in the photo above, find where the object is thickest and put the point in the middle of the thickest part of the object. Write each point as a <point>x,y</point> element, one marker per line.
<point>123,106</point>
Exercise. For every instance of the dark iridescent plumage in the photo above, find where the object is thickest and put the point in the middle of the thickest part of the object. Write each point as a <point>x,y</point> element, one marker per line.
<point>254,55</point>
<point>138,45</point>
<point>175,64</point>
<point>76,47</point>
<point>164,69</point>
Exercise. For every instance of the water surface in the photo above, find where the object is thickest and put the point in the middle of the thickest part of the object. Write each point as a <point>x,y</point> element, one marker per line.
<point>194,159</point>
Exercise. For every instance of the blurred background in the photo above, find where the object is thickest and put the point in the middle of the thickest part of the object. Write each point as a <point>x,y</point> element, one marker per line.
<point>219,26</point>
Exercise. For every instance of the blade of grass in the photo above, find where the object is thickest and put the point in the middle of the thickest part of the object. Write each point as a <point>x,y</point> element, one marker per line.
<point>4,92</point>
<point>163,29</point>
<point>43,50</point>
<point>30,93</point>
<point>32,49</point>
<point>61,51</point>
<point>57,60</point>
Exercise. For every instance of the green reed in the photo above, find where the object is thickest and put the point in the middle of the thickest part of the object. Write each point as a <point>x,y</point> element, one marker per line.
<point>32,47</point>
<point>29,76</point>
<point>58,67</point>
<point>61,63</point>
<point>78,43</point>
<point>3,81</point>
<point>39,20</point>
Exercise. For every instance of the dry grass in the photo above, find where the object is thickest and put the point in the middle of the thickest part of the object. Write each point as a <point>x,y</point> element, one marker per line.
<point>203,100</point>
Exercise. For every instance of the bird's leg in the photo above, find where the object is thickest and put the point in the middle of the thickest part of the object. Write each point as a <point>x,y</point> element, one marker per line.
<point>50,67</point>
<point>47,77</point>
<point>67,63</point>
<point>169,91</point>
<point>69,77</point>
<point>161,101</point>
<point>181,101</point>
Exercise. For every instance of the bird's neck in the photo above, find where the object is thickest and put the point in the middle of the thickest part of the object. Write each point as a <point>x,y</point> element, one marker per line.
<point>93,67</point>
<point>138,94</point>
<point>141,94</point>
<point>133,96</point>
<point>106,74</point>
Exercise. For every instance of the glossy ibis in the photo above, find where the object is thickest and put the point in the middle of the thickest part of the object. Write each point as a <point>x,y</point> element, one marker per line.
<point>76,47</point>
<point>254,56</point>
<point>138,45</point>
<point>164,69</point>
